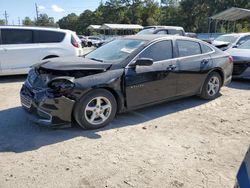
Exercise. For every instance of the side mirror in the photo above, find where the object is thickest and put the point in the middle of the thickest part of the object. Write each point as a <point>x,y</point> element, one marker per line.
<point>235,46</point>
<point>143,62</point>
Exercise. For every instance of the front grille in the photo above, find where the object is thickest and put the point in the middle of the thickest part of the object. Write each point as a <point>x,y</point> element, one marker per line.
<point>26,101</point>
<point>239,68</point>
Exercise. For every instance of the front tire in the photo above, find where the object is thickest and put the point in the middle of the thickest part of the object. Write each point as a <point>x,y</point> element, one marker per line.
<point>95,110</point>
<point>211,87</point>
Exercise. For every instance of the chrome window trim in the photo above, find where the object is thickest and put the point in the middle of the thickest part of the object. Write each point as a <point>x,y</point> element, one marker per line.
<point>176,58</point>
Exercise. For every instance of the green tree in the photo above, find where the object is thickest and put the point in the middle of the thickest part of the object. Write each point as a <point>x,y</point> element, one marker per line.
<point>191,14</point>
<point>2,22</point>
<point>85,19</point>
<point>28,21</point>
<point>45,20</point>
<point>69,22</point>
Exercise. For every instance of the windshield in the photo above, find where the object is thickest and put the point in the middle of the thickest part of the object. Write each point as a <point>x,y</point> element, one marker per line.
<point>146,31</point>
<point>245,45</point>
<point>227,38</point>
<point>116,50</point>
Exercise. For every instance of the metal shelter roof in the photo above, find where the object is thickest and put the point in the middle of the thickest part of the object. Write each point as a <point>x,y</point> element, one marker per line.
<point>95,27</point>
<point>121,26</point>
<point>231,14</point>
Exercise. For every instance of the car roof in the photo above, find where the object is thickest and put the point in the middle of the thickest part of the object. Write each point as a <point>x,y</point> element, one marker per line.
<point>164,27</point>
<point>236,34</point>
<point>36,28</point>
<point>152,37</point>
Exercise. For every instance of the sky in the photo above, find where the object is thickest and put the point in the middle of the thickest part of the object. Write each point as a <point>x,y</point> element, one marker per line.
<point>54,8</point>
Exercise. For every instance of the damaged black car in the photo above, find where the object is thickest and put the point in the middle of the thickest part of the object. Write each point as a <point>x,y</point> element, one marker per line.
<point>122,75</point>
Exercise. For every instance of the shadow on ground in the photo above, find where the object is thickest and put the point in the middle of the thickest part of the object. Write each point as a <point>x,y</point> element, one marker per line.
<point>243,84</point>
<point>18,134</point>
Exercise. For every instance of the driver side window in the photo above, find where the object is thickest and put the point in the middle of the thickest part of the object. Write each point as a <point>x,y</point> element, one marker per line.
<point>159,51</point>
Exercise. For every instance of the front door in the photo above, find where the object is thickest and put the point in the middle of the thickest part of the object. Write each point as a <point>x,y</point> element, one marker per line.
<point>148,84</point>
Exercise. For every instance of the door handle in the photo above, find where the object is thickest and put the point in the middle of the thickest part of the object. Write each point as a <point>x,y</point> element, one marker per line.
<point>204,61</point>
<point>171,67</point>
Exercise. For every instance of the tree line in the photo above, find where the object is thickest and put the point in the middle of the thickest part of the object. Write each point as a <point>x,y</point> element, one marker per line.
<point>191,14</point>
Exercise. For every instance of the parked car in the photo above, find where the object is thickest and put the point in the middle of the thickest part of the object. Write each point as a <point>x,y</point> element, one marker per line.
<point>241,58</point>
<point>22,47</point>
<point>124,74</point>
<point>243,175</point>
<point>93,41</point>
<point>190,34</point>
<point>227,41</point>
<point>83,39</point>
<point>169,30</point>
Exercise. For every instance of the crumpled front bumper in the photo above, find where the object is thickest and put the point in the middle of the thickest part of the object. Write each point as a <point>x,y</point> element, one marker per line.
<point>45,110</point>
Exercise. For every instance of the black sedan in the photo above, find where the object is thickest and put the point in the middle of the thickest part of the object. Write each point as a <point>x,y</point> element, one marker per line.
<point>125,74</point>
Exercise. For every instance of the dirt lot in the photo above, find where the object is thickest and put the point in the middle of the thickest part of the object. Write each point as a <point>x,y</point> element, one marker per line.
<point>186,143</point>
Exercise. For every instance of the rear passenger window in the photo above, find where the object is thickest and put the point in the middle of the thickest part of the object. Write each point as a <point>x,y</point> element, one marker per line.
<point>206,49</point>
<point>16,36</point>
<point>48,36</point>
<point>162,32</point>
<point>158,51</point>
<point>175,32</point>
<point>188,48</point>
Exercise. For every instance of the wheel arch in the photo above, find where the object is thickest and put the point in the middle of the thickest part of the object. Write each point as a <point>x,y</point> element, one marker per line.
<point>219,71</point>
<point>118,97</point>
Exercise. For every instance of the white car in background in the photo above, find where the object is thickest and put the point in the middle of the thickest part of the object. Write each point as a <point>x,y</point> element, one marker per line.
<point>22,47</point>
<point>93,41</point>
<point>227,41</point>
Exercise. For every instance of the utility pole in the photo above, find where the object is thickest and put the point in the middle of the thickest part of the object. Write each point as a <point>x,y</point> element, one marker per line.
<point>36,11</point>
<point>6,17</point>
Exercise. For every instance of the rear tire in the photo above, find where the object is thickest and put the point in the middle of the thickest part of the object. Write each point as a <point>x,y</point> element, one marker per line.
<point>211,87</point>
<point>90,44</point>
<point>95,110</point>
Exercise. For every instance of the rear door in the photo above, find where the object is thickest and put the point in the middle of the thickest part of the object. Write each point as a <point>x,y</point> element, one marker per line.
<point>193,66</point>
<point>147,84</point>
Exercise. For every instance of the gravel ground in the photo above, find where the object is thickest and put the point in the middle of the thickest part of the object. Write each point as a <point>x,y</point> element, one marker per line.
<point>186,143</point>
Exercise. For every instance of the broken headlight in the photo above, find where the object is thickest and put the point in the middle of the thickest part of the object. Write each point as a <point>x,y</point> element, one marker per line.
<point>32,76</point>
<point>61,86</point>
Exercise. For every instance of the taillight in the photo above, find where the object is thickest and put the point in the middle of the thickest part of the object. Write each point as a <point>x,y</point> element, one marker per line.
<point>231,59</point>
<point>74,42</point>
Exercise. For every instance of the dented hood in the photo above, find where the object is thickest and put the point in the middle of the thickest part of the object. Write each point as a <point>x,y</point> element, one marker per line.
<point>220,43</point>
<point>74,63</point>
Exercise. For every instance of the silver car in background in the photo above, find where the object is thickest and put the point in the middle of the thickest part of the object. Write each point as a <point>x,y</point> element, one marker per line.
<point>241,59</point>
<point>227,41</point>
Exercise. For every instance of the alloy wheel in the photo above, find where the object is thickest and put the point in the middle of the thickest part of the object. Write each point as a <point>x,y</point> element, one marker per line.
<point>213,86</point>
<point>98,110</point>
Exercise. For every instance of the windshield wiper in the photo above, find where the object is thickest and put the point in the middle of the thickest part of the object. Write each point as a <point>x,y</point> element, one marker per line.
<point>96,59</point>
